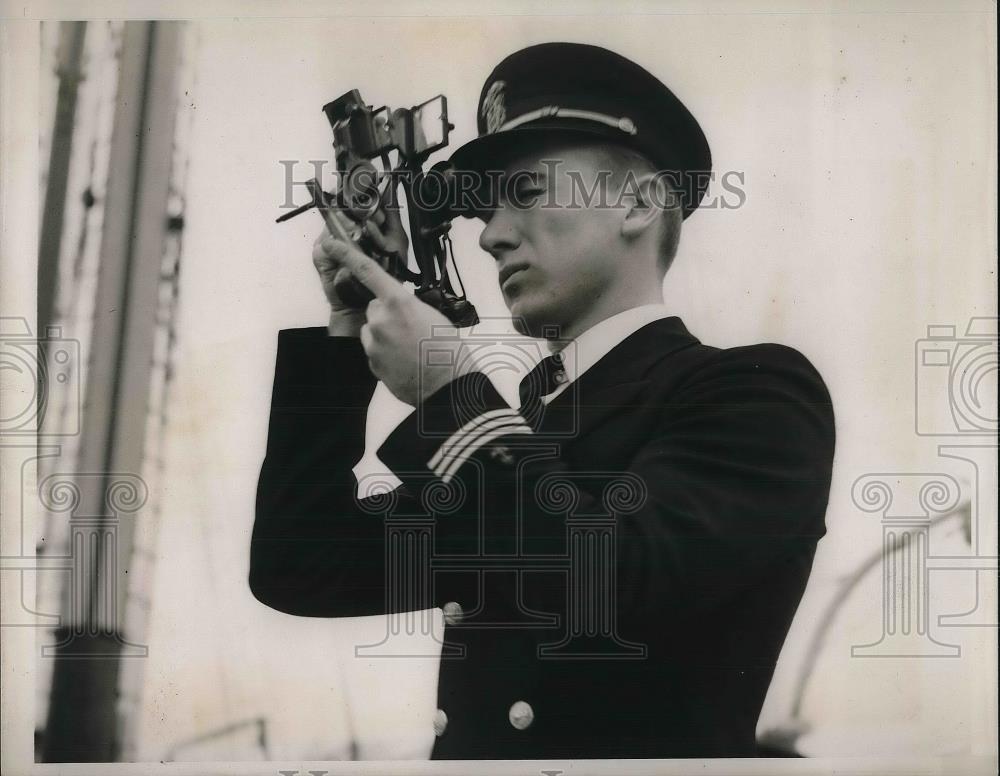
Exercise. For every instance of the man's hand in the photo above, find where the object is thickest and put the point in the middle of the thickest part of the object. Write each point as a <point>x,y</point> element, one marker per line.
<point>397,322</point>
<point>385,230</point>
<point>345,321</point>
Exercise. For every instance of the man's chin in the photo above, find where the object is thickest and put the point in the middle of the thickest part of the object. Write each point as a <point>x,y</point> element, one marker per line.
<point>533,323</point>
<point>521,326</point>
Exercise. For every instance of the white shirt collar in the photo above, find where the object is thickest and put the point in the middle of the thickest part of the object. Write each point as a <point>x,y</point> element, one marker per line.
<point>591,346</point>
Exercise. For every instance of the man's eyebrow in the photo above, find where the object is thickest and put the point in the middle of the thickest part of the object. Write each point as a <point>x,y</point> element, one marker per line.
<point>527,176</point>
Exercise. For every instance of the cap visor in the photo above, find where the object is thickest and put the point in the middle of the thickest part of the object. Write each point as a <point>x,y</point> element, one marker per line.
<point>496,151</point>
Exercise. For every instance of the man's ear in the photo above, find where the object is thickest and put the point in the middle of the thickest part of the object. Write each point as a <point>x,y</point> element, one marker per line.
<point>643,198</point>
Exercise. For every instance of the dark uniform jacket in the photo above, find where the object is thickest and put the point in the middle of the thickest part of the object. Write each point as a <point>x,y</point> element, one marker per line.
<point>617,583</point>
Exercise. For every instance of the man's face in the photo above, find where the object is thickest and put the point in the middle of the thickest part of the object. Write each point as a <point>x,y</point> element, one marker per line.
<point>554,250</point>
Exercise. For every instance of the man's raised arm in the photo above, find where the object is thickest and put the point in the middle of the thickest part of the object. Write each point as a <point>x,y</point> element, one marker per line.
<point>313,552</point>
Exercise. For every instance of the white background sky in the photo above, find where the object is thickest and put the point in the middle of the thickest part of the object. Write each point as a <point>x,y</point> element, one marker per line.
<point>868,146</point>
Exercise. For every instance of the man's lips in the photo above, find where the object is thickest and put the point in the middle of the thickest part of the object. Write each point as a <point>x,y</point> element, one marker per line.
<point>507,272</point>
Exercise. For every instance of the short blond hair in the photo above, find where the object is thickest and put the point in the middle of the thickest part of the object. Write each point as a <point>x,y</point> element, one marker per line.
<point>621,161</point>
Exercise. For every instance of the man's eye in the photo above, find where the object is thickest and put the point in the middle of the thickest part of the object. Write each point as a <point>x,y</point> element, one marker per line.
<point>527,194</point>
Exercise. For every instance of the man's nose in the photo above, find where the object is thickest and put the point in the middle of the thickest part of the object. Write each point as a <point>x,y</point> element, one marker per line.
<point>500,234</point>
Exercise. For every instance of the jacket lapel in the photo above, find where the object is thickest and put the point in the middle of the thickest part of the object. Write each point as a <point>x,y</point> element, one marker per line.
<point>617,381</point>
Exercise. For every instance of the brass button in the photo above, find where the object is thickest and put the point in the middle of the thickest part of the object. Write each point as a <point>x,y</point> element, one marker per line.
<point>560,376</point>
<point>440,722</point>
<point>452,613</point>
<point>521,715</point>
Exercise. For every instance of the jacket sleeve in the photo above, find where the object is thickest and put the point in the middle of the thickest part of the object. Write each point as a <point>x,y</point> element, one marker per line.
<point>313,551</point>
<point>733,478</point>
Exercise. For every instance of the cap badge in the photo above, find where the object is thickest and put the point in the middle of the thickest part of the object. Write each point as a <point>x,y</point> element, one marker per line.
<point>493,109</point>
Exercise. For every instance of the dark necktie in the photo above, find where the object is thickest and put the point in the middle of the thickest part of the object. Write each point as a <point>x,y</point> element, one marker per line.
<point>547,375</point>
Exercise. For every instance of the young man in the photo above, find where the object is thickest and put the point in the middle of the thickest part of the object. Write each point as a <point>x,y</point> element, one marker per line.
<point>618,559</point>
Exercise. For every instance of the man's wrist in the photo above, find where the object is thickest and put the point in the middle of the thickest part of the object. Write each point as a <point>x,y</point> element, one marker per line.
<point>434,378</point>
<point>345,323</point>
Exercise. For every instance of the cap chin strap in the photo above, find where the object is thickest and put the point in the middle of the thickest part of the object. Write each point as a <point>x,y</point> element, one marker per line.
<point>625,124</point>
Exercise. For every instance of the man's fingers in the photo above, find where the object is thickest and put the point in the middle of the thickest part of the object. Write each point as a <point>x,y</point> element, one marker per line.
<point>390,207</point>
<point>351,227</point>
<point>321,257</point>
<point>375,233</point>
<point>346,226</point>
<point>325,236</point>
<point>364,268</point>
<point>366,338</point>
